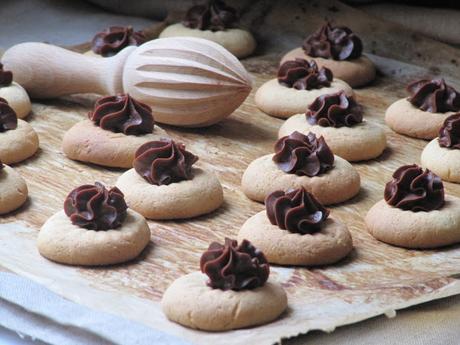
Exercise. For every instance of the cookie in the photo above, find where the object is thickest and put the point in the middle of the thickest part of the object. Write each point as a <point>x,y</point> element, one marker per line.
<point>263,177</point>
<point>360,142</point>
<point>18,144</point>
<point>409,229</point>
<point>14,190</point>
<point>239,42</point>
<point>332,243</point>
<point>17,98</point>
<point>444,162</point>
<point>281,101</point>
<point>190,302</point>
<point>404,118</point>
<point>185,199</point>
<point>61,241</point>
<point>87,142</point>
<point>356,72</point>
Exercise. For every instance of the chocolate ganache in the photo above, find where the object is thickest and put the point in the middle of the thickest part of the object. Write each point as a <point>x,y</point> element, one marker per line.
<point>215,15</point>
<point>122,113</point>
<point>296,211</point>
<point>115,38</point>
<point>164,162</point>
<point>333,42</point>
<point>303,154</point>
<point>6,77</point>
<point>8,118</point>
<point>302,74</point>
<point>415,189</point>
<point>93,207</point>
<point>449,134</point>
<point>234,267</point>
<point>434,96</point>
<point>334,110</point>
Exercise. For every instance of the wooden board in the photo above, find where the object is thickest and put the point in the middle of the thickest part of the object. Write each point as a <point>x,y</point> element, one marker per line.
<point>376,278</point>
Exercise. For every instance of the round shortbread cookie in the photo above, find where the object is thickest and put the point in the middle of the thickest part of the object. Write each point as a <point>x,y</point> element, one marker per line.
<point>443,161</point>
<point>239,42</point>
<point>356,72</point>
<point>184,199</point>
<point>191,303</point>
<point>18,144</point>
<point>404,118</point>
<point>327,246</point>
<point>263,177</point>
<point>415,229</point>
<point>281,101</point>
<point>360,142</point>
<point>17,98</point>
<point>14,190</point>
<point>87,142</point>
<point>61,241</point>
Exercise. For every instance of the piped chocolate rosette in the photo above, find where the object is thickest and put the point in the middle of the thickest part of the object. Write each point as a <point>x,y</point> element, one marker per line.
<point>303,154</point>
<point>334,110</point>
<point>6,77</point>
<point>164,162</point>
<point>215,15</point>
<point>122,113</point>
<point>113,39</point>
<point>8,118</point>
<point>296,211</point>
<point>333,42</point>
<point>449,134</point>
<point>415,189</point>
<point>302,74</point>
<point>234,267</point>
<point>434,96</point>
<point>95,207</point>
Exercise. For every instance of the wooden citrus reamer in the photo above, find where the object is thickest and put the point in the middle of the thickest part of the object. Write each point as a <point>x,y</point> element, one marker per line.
<point>187,81</point>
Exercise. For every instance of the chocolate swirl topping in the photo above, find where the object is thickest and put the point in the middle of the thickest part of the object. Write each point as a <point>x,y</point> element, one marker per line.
<point>234,267</point>
<point>6,77</point>
<point>122,113</point>
<point>302,74</point>
<point>414,189</point>
<point>93,207</point>
<point>449,134</point>
<point>303,154</point>
<point>8,118</point>
<point>334,110</point>
<point>295,211</point>
<point>115,38</point>
<point>164,162</point>
<point>214,16</point>
<point>434,96</point>
<point>333,42</point>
